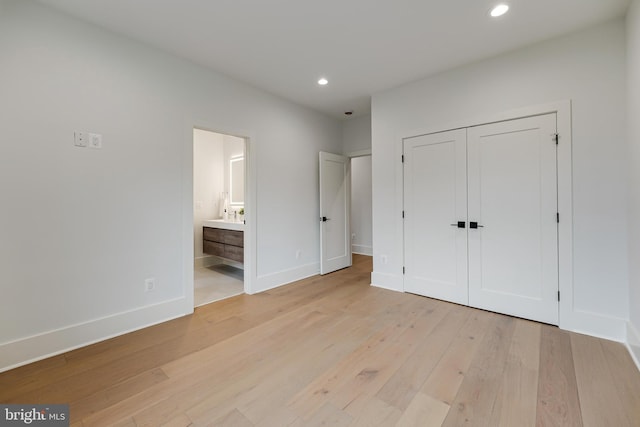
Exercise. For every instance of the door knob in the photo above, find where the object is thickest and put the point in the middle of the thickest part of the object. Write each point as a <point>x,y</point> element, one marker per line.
<point>460,224</point>
<point>474,224</point>
<point>324,219</point>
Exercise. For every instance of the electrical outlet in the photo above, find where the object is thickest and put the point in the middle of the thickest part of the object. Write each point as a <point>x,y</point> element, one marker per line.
<point>385,259</point>
<point>298,253</point>
<point>150,284</point>
<point>81,139</point>
<point>353,236</point>
<point>95,140</point>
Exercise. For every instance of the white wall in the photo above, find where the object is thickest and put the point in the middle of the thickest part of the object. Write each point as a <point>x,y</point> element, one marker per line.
<point>82,229</point>
<point>587,68</point>
<point>633,79</point>
<point>208,182</point>
<point>356,141</point>
<point>361,214</point>
<point>356,135</point>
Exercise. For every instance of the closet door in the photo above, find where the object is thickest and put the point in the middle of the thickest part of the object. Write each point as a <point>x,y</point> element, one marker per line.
<point>512,184</point>
<point>435,201</point>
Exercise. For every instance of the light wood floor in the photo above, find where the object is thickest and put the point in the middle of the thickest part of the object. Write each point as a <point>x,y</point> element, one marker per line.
<point>334,351</point>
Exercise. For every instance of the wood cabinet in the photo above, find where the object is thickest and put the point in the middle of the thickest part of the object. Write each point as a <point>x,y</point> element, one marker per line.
<point>224,243</point>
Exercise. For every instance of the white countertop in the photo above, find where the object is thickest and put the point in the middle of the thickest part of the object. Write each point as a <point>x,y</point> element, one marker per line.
<point>224,224</point>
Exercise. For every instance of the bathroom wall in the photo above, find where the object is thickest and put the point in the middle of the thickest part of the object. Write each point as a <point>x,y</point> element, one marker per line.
<point>208,183</point>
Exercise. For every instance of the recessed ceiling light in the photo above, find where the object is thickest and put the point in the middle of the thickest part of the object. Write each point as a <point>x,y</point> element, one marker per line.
<point>323,81</point>
<point>499,10</point>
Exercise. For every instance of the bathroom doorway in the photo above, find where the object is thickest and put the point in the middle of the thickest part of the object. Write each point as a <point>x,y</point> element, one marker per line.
<point>219,187</point>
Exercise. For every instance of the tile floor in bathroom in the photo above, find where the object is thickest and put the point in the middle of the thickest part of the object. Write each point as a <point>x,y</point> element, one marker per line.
<point>217,282</point>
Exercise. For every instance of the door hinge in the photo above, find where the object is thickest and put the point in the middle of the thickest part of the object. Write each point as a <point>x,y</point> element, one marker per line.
<point>558,295</point>
<point>402,158</point>
<point>403,270</point>
<point>402,214</point>
<point>556,138</point>
<point>558,217</point>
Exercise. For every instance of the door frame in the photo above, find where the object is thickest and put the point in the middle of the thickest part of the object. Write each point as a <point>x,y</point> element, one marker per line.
<point>567,314</point>
<point>250,262</point>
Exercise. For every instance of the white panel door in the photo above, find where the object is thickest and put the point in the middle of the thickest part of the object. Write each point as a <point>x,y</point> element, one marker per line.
<point>512,185</point>
<point>335,195</point>
<point>435,201</point>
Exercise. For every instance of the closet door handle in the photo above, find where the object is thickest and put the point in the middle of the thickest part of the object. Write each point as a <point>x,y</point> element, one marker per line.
<point>460,224</point>
<point>474,225</point>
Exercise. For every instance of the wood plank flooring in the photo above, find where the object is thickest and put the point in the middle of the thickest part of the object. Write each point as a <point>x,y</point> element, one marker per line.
<point>334,351</point>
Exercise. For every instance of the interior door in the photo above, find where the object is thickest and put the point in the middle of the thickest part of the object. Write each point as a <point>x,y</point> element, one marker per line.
<point>435,216</point>
<point>512,185</point>
<point>335,195</point>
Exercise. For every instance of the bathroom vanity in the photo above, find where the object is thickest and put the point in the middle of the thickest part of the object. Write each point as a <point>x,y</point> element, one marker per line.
<point>224,239</point>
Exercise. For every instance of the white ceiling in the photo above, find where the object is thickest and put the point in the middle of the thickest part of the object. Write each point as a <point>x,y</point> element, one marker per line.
<point>361,46</point>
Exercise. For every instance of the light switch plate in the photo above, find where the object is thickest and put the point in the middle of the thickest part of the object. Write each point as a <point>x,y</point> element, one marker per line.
<point>95,140</point>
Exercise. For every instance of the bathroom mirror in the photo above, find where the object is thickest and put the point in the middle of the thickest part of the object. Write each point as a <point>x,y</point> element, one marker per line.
<point>236,181</point>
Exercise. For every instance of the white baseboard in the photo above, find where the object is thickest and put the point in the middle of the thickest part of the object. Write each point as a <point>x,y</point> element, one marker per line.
<point>594,324</point>
<point>274,280</point>
<point>633,343</point>
<point>386,281</point>
<point>52,343</point>
<point>362,250</point>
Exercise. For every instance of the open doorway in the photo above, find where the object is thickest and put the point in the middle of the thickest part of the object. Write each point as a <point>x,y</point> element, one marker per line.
<point>361,206</point>
<point>219,177</point>
<point>345,210</point>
